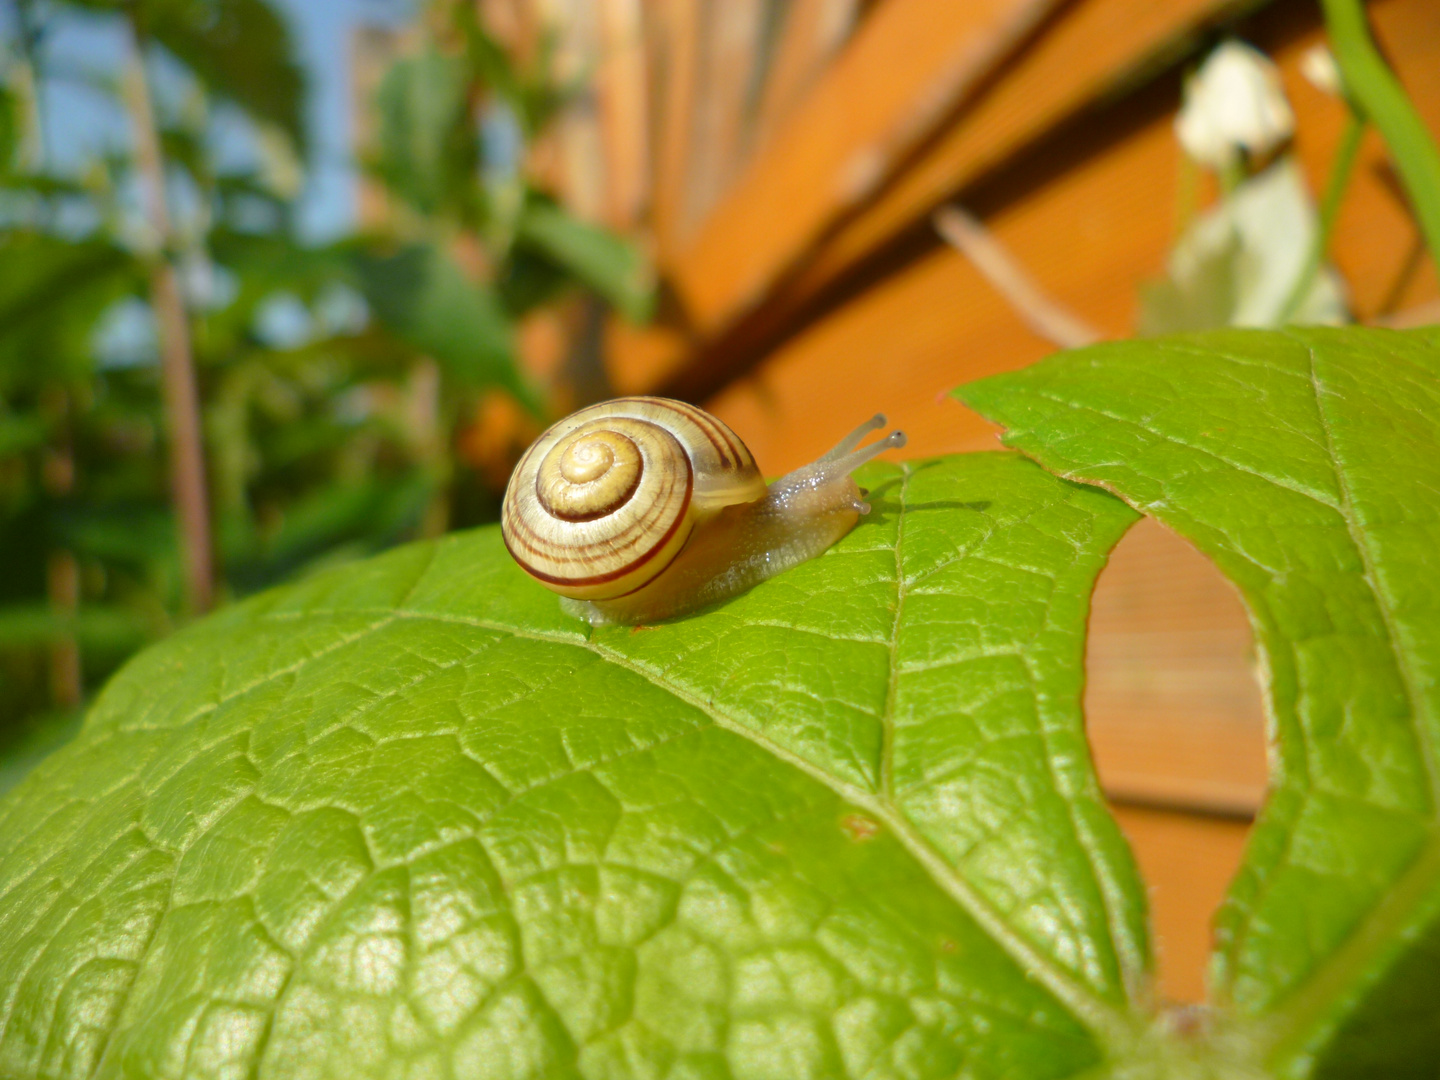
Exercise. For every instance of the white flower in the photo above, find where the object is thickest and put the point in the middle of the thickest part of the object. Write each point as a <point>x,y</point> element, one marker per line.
<point>1233,104</point>
<point>1317,64</point>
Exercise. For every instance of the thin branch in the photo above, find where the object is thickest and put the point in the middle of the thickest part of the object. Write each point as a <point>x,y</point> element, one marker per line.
<point>62,591</point>
<point>182,400</point>
<point>35,154</point>
<point>62,570</point>
<point>1341,168</point>
<point>1041,312</point>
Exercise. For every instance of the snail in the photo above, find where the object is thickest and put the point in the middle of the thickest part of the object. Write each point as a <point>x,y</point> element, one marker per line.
<point>641,509</point>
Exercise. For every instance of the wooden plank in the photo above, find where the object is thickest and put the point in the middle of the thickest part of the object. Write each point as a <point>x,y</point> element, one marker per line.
<point>911,62</point>
<point>676,36</point>
<point>373,49</point>
<point>639,358</point>
<point>580,179</point>
<point>1087,49</point>
<point>620,87</point>
<point>1085,52</point>
<point>813,32</point>
<point>901,345</point>
<point>572,29</point>
<point>728,55</point>
<point>516,24</point>
<point>1187,862</point>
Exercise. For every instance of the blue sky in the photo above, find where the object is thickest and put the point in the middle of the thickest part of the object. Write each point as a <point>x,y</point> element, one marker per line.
<point>84,122</point>
<point>323,30</point>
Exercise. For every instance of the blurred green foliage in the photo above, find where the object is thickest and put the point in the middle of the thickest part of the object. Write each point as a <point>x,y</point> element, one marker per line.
<point>333,379</point>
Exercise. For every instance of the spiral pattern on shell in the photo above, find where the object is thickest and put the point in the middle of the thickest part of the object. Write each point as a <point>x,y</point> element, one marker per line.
<point>606,498</point>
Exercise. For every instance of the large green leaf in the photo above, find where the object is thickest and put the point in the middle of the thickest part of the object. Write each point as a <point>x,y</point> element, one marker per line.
<point>406,818</point>
<point>1307,465</point>
<point>611,265</point>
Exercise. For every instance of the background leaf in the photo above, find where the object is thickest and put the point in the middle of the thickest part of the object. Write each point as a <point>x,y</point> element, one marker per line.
<point>240,49</point>
<point>408,812</point>
<point>112,629</point>
<point>426,299</point>
<point>22,748</point>
<point>609,264</point>
<point>1307,465</point>
<point>52,293</point>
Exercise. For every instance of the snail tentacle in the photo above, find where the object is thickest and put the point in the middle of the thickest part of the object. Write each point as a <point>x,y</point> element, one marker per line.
<point>845,445</point>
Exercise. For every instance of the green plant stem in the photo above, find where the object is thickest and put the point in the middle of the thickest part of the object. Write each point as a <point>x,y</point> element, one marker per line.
<point>35,147</point>
<point>1187,194</point>
<point>1382,100</point>
<point>1231,175</point>
<point>1342,167</point>
<point>182,400</point>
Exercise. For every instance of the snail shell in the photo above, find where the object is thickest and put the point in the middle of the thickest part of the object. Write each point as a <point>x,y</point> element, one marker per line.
<point>604,501</point>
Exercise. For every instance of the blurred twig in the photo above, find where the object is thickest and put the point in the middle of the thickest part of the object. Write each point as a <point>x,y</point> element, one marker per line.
<point>1341,167</point>
<point>182,403</point>
<point>1041,312</point>
<point>1422,315</point>
<point>62,569</point>
<point>62,586</point>
<point>35,152</point>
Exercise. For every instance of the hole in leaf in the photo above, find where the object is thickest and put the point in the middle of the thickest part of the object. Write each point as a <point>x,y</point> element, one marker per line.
<point>1177,728</point>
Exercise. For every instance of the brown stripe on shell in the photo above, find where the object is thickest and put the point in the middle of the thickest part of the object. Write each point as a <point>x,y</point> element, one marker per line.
<point>738,449</point>
<point>739,457</point>
<point>612,575</point>
<point>707,428</point>
<point>694,415</point>
<point>556,551</point>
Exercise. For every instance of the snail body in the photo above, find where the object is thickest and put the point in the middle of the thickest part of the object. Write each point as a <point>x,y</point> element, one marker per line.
<point>642,509</point>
